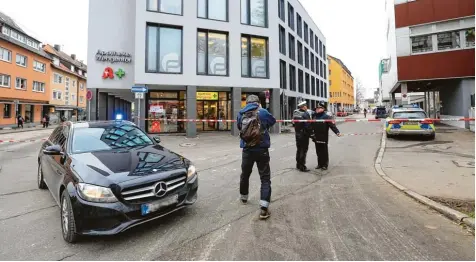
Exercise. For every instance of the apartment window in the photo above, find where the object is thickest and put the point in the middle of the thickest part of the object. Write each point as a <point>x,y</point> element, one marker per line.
<point>469,37</point>
<point>308,86</point>
<point>73,97</point>
<point>324,52</point>
<point>254,56</point>
<point>312,62</point>
<point>330,71</point>
<point>38,87</point>
<point>300,81</point>
<point>4,80</point>
<point>306,57</point>
<point>35,45</point>
<point>448,40</point>
<point>299,25</point>
<point>58,79</point>
<point>291,16</point>
<point>299,45</point>
<point>21,83</point>
<point>281,10</point>
<point>254,12</point>
<point>5,55</point>
<point>325,90</point>
<point>321,88</point>
<point>316,45</point>
<point>292,47</point>
<point>14,34</point>
<point>213,9</point>
<point>282,40</point>
<point>324,70</point>
<point>57,94</point>
<point>164,56</point>
<point>311,39</point>
<point>422,44</point>
<point>74,83</point>
<point>321,73</point>
<point>292,78</point>
<point>317,66</point>
<point>320,48</point>
<point>38,66</point>
<point>313,86</point>
<point>7,110</point>
<point>318,87</point>
<point>21,60</point>
<point>81,86</point>
<point>330,82</point>
<point>212,58</point>
<point>81,99</point>
<point>306,33</point>
<point>173,7</point>
<point>282,74</point>
<point>5,30</point>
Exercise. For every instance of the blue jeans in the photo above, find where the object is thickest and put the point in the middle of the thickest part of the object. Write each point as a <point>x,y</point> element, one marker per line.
<point>261,157</point>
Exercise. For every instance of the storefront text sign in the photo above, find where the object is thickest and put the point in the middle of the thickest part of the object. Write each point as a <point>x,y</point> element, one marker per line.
<point>207,95</point>
<point>113,57</point>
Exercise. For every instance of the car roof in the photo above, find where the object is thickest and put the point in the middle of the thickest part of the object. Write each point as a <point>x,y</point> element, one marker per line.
<point>407,110</point>
<point>98,124</point>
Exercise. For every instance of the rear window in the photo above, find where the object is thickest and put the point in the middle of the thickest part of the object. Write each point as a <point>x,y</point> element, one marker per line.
<point>108,138</point>
<point>409,115</point>
<point>381,110</point>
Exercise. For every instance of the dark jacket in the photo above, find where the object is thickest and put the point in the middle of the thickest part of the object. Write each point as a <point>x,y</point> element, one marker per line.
<point>321,129</point>
<point>267,121</point>
<point>302,129</point>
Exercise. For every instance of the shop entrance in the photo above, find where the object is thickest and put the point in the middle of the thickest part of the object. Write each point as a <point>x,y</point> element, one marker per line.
<point>213,106</point>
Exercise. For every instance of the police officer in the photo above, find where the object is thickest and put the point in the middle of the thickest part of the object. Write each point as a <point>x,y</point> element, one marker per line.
<point>321,135</point>
<point>303,132</point>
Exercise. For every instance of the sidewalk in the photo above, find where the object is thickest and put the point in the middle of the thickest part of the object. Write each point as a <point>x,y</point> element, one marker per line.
<point>25,129</point>
<point>442,170</point>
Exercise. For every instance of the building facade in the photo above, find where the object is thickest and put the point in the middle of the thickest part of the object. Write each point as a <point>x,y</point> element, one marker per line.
<point>68,84</point>
<point>430,48</point>
<point>24,76</point>
<point>341,85</point>
<point>199,59</point>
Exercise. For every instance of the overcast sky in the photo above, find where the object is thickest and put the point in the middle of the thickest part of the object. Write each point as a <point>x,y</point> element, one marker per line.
<point>354,29</point>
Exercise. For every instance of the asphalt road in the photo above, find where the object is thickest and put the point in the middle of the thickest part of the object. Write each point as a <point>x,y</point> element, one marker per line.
<point>345,213</point>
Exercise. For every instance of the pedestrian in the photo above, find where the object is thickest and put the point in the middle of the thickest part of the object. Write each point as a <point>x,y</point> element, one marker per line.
<point>20,121</point>
<point>254,123</point>
<point>365,112</point>
<point>303,132</point>
<point>46,121</point>
<point>321,135</point>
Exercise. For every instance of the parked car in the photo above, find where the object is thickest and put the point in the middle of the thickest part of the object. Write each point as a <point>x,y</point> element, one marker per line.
<point>110,176</point>
<point>380,112</point>
<point>409,120</point>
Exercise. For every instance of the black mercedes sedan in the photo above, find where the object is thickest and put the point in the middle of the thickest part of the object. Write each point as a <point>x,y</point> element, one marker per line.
<point>110,176</point>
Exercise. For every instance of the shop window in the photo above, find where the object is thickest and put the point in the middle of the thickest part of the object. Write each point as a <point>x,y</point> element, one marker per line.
<point>448,40</point>
<point>21,83</point>
<point>291,16</point>
<point>422,44</point>
<point>165,6</point>
<point>21,60</point>
<point>292,47</point>
<point>213,9</point>
<point>254,57</point>
<point>29,114</point>
<point>212,58</point>
<point>4,80</point>
<point>7,110</point>
<point>292,78</point>
<point>469,37</point>
<point>254,12</point>
<point>164,49</point>
<point>164,108</point>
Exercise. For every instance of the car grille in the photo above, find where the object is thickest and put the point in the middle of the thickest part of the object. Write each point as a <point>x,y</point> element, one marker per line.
<point>143,192</point>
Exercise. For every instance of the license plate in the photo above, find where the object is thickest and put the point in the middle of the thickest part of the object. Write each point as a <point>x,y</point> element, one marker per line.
<point>411,123</point>
<point>154,206</point>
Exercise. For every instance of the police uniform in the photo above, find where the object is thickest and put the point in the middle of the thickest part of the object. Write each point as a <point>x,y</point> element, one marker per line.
<point>303,132</point>
<point>321,136</point>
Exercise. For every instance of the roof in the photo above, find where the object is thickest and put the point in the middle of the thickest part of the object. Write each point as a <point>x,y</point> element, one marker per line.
<point>10,22</point>
<point>341,64</point>
<point>63,56</point>
<point>67,70</point>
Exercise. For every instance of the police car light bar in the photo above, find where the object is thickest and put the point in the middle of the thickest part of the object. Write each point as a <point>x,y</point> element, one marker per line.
<point>406,106</point>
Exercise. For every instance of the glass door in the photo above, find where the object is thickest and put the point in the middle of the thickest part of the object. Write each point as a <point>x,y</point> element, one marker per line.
<point>210,109</point>
<point>200,115</point>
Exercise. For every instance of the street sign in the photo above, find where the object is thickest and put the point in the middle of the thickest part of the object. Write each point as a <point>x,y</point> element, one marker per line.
<point>139,89</point>
<point>139,95</point>
<point>89,95</point>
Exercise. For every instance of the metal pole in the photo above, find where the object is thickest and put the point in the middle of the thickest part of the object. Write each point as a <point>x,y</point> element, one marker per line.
<point>89,110</point>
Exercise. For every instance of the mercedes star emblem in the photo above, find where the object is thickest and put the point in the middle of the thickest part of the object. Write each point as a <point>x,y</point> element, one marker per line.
<point>160,189</point>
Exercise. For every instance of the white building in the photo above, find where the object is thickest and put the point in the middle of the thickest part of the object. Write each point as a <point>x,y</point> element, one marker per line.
<point>199,59</point>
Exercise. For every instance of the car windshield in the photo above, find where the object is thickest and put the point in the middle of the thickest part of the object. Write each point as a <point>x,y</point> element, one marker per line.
<point>381,110</point>
<point>108,138</point>
<point>409,115</point>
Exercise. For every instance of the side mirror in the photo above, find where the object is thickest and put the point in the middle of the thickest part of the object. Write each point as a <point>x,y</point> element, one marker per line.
<point>156,139</point>
<point>54,150</point>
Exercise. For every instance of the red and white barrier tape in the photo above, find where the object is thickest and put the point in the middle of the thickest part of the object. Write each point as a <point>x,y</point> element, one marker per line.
<point>314,120</point>
<point>21,141</point>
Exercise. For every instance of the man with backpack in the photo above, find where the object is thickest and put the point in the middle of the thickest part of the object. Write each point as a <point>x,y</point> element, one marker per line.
<point>254,123</point>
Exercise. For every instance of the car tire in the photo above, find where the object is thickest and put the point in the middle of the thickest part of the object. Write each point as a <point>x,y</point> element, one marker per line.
<point>389,136</point>
<point>432,137</point>
<point>68,224</point>
<point>40,179</point>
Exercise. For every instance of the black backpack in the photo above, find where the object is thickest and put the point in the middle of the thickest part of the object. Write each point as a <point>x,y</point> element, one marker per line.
<point>251,131</point>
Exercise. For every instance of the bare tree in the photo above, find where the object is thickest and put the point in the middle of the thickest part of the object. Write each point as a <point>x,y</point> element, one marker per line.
<point>359,91</point>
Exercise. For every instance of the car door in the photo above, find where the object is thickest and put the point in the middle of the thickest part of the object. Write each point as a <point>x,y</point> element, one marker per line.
<point>47,161</point>
<point>58,162</point>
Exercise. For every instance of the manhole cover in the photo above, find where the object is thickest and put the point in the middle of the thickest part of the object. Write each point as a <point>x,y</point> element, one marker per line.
<point>187,144</point>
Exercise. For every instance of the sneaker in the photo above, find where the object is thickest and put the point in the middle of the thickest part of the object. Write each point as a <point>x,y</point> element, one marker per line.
<point>244,201</point>
<point>264,214</point>
<point>304,169</point>
<point>324,168</point>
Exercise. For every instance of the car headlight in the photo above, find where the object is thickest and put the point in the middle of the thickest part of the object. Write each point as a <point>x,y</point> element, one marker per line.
<point>94,193</point>
<point>191,171</point>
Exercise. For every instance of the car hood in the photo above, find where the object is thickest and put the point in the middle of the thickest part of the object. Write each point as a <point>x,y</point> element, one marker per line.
<point>105,168</point>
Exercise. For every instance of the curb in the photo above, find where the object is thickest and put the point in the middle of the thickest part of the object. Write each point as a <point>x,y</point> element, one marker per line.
<point>13,131</point>
<point>446,211</point>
